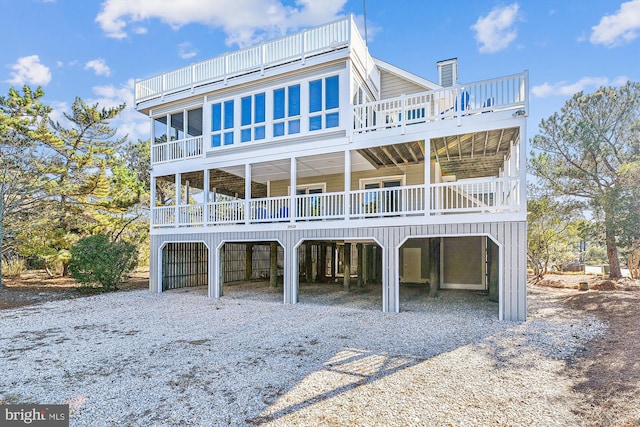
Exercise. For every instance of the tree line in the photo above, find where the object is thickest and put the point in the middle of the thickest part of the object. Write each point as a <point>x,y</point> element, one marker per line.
<point>586,161</point>
<point>60,182</point>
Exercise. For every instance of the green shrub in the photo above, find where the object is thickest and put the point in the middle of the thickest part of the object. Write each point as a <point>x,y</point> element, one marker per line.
<point>96,260</point>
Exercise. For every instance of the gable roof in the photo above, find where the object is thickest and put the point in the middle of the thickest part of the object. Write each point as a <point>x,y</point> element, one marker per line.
<point>427,84</point>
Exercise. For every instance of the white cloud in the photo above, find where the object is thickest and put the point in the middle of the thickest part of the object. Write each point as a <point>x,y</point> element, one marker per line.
<point>99,66</point>
<point>564,88</point>
<point>129,122</point>
<point>186,50</point>
<point>140,30</point>
<point>497,30</point>
<point>29,70</point>
<point>619,28</point>
<point>244,21</point>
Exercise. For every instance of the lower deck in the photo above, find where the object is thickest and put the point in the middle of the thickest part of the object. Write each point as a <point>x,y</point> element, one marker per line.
<point>385,265</point>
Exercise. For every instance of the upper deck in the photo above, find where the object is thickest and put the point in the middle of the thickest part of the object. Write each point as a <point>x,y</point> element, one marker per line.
<point>273,56</point>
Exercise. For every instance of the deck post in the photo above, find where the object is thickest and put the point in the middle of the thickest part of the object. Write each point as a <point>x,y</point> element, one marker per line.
<point>334,246</point>
<point>205,195</point>
<point>360,249</point>
<point>347,184</point>
<point>322,262</point>
<point>347,266</point>
<point>248,261</point>
<point>247,193</point>
<point>308,265</point>
<point>178,198</point>
<point>293,211</point>
<point>434,266</point>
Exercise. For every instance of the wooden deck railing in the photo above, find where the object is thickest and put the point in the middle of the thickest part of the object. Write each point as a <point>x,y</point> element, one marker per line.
<point>489,195</point>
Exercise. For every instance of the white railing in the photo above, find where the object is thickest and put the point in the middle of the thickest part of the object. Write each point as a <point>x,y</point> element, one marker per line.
<point>505,93</point>
<point>486,195</point>
<point>393,201</point>
<point>270,209</point>
<point>163,216</point>
<point>177,150</point>
<point>320,206</point>
<point>192,214</point>
<point>331,36</point>
<point>226,212</point>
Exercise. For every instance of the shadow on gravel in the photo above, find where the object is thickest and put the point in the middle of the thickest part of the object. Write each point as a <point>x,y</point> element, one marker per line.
<point>346,370</point>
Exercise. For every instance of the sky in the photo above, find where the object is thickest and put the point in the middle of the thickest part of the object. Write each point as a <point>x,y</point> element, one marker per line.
<point>96,50</point>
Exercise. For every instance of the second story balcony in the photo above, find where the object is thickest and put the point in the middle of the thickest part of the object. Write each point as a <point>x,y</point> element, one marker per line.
<point>194,133</point>
<point>416,182</point>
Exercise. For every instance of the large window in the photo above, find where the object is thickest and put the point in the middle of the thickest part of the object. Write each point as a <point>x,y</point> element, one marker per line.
<point>324,103</point>
<point>222,123</point>
<point>252,119</point>
<point>172,127</point>
<point>286,111</point>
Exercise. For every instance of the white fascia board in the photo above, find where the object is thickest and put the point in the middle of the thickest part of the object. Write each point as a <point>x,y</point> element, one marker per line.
<point>427,84</point>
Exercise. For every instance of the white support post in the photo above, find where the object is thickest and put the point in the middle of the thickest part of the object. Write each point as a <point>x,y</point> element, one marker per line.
<point>247,193</point>
<point>292,192</point>
<point>152,202</point>
<point>427,179</point>
<point>178,199</point>
<point>205,197</point>
<point>347,184</point>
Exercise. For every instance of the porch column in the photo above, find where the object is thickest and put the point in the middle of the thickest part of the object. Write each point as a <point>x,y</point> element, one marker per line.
<point>205,195</point>
<point>153,196</point>
<point>334,246</point>
<point>427,178</point>
<point>347,184</point>
<point>292,193</point>
<point>178,198</point>
<point>247,193</point>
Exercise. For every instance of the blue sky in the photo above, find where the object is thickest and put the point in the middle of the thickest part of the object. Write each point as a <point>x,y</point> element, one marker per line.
<point>95,50</point>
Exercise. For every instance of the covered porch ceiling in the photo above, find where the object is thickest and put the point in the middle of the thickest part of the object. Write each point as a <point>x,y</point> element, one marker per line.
<point>474,155</point>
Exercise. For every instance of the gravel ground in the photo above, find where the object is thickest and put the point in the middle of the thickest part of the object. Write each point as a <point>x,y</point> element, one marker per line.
<point>178,358</point>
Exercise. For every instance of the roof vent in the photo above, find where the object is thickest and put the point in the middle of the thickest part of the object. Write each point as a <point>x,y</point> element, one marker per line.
<point>447,72</point>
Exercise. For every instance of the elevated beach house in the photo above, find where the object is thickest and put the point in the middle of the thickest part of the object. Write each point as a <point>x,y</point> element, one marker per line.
<point>306,160</point>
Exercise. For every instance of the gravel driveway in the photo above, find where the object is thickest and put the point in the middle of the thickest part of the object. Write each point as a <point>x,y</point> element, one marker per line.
<point>178,358</point>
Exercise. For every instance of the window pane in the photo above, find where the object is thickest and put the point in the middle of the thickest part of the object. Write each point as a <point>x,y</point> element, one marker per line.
<point>259,133</point>
<point>245,135</point>
<point>278,104</point>
<point>315,123</point>
<point>160,130</point>
<point>177,126</point>
<point>228,138</point>
<point>294,100</point>
<point>259,108</point>
<point>333,120</point>
<point>228,114</point>
<point>194,122</point>
<point>332,92</point>
<point>294,126</point>
<point>215,140</point>
<point>216,117</point>
<point>315,96</point>
<point>245,103</point>
<point>278,129</point>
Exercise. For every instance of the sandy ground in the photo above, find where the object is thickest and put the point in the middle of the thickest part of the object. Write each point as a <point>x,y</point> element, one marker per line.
<point>606,373</point>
